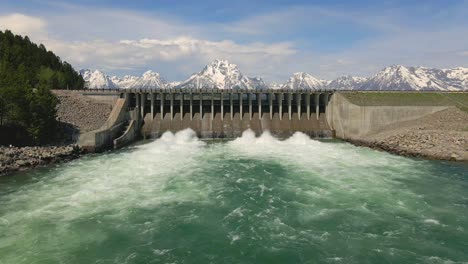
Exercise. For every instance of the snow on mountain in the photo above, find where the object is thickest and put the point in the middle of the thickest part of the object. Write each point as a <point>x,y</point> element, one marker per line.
<point>126,82</point>
<point>173,84</point>
<point>346,82</point>
<point>457,77</point>
<point>149,80</point>
<point>97,79</point>
<point>275,85</point>
<point>302,80</point>
<point>397,77</point>
<point>223,75</point>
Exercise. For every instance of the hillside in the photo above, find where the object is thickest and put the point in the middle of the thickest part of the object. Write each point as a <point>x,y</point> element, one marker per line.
<point>27,73</point>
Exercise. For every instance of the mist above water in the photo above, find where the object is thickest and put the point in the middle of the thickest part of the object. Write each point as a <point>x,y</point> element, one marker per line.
<point>178,199</point>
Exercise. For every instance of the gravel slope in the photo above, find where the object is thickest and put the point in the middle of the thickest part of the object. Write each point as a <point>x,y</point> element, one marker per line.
<point>84,113</point>
<point>442,135</point>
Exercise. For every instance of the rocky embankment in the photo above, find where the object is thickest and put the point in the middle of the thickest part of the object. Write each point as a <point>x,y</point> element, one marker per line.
<point>77,114</point>
<point>16,159</point>
<point>83,113</point>
<point>442,135</point>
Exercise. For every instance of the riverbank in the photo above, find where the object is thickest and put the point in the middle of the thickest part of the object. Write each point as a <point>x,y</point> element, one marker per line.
<point>440,136</point>
<point>76,114</point>
<point>14,159</point>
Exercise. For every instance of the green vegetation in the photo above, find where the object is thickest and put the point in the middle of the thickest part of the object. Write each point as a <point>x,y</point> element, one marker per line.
<point>408,99</point>
<point>27,73</point>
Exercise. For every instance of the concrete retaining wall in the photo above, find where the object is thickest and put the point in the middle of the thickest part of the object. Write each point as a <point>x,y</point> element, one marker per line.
<point>128,137</point>
<point>102,138</point>
<point>350,121</point>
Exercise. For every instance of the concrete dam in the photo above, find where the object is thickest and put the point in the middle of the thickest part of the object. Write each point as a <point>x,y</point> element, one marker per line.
<point>214,113</point>
<point>211,113</point>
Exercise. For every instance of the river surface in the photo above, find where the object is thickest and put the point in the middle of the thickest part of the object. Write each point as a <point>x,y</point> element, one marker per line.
<point>250,200</point>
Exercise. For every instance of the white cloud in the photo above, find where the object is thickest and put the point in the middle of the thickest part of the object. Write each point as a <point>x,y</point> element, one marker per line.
<point>126,54</point>
<point>271,45</point>
<point>23,24</point>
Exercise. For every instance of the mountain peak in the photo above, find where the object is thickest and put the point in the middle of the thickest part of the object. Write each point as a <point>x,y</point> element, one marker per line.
<point>100,80</point>
<point>302,80</point>
<point>150,73</point>
<point>222,67</point>
<point>221,74</point>
<point>97,79</point>
<point>346,82</point>
<point>225,75</point>
<point>398,77</point>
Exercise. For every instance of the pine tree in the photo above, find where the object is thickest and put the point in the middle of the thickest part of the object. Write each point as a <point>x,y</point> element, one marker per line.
<point>27,73</point>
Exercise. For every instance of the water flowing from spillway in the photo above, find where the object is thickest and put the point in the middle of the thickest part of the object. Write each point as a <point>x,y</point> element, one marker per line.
<point>250,200</point>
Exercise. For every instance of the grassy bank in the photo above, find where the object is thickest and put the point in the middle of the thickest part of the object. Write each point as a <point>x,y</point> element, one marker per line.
<point>459,100</point>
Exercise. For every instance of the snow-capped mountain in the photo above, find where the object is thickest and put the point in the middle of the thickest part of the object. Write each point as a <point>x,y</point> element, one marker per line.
<point>275,85</point>
<point>398,77</point>
<point>346,82</point>
<point>457,77</point>
<point>223,75</point>
<point>302,80</point>
<point>149,80</point>
<point>97,79</point>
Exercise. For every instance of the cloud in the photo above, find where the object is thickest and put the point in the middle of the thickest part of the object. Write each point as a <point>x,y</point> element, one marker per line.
<point>125,54</point>
<point>326,42</point>
<point>23,24</point>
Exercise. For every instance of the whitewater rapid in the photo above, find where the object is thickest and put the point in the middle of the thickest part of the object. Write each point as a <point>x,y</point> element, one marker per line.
<point>183,200</point>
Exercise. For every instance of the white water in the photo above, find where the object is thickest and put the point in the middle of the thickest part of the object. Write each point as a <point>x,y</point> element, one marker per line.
<point>252,193</point>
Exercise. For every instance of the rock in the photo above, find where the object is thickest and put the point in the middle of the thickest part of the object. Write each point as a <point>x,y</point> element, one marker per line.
<point>13,158</point>
<point>21,163</point>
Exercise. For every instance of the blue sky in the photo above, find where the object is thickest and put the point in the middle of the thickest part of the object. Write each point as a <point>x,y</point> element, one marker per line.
<point>269,39</point>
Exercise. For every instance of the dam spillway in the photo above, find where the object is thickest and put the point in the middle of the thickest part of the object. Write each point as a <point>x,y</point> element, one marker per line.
<point>216,113</point>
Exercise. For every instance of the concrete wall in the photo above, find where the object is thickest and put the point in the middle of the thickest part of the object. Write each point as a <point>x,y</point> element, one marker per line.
<point>102,138</point>
<point>350,121</point>
<point>129,135</point>
<point>209,127</point>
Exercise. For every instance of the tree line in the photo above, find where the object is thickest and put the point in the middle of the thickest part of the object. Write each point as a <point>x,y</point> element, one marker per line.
<point>27,74</point>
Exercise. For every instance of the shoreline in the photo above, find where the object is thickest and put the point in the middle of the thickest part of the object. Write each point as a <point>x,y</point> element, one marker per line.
<point>16,159</point>
<point>385,147</point>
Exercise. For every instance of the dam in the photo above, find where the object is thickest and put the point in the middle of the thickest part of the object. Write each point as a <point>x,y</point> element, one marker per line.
<point>210,113</point>
<point>215,113</point>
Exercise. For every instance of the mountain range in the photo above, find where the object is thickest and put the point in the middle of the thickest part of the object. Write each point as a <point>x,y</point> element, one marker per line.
<point>222,74</point>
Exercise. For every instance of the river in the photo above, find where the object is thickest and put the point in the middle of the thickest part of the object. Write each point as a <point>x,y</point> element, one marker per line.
<point>250,200</point>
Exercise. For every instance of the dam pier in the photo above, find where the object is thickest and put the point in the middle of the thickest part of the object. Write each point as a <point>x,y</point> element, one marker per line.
<point>215,101</point>
<point>215,113</point>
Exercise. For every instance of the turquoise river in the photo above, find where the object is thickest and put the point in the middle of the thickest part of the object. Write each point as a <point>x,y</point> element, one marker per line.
<point>250,200</point>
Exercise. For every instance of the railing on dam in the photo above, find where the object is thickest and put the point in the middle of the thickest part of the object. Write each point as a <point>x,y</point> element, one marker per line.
<point>218,101</point>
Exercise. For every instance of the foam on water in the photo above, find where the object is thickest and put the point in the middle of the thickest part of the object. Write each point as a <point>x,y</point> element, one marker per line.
<point>172,199</point>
